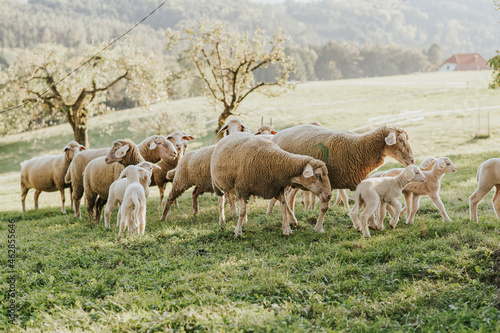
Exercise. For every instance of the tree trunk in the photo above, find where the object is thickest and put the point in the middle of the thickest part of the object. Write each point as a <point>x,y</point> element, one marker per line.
<point>81,136</point>
<point>222,120</point>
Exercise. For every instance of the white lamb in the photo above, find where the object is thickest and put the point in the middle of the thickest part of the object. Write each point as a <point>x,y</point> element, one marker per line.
<point>385,190</point>
<point>134,199</point>
<point>130,174</point>
<point>488,176</point>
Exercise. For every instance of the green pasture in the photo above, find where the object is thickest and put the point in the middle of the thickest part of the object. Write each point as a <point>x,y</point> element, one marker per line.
<point>186,274</point>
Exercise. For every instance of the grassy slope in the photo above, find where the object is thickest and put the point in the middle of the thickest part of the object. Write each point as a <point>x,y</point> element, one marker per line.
<point>187,273</point>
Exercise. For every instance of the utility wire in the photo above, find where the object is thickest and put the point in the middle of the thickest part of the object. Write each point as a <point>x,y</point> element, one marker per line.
<point>84,63</point>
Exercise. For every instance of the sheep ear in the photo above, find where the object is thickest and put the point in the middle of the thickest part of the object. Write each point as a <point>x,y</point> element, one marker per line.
<point>308,171</point>
<point>82,148</point>
<point>273,132</point>
<point>257,133</point>
<point>245,128</point>
<point>391,139</point>
<point>152,145</point>
<point>410,174</point>
<point>427,162</point>
<point>122,151</point>
<point>222,129</point>
<point>155,166</point>
<point>188,138</point>
<point>441,165</point>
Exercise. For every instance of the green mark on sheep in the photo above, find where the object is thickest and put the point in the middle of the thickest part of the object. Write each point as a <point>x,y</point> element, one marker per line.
<point>326,152</point>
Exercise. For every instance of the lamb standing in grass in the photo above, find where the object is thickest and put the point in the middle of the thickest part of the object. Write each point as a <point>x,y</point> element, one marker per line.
<point>134,200</point>
<point>349,157</point>
<point>46,174</point>
<point>130,174</point>
<point>373,192</point>
<point>430,187</point>
<point>246,165</point>
<point>488,176</point>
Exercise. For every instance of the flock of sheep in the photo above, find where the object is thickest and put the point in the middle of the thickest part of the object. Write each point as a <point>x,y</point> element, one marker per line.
<point>272,165</point>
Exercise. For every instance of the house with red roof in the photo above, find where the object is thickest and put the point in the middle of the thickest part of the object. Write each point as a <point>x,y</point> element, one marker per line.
<point>464,62</point>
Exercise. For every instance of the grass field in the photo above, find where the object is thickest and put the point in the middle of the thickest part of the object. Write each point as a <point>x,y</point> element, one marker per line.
<point>186,274</point>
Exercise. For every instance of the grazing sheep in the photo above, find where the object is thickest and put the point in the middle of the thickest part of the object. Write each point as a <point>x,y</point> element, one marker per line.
<point>349,157</point>
<point>134,199</point>
<point>46,173</point>
<point>488,176</point>
<point>430,187</point>
<point>179,139</point>
<point>102,171</point>
<point>373,192</point>
<point>74,175</point>
<point>246,165</point>
<point>130,174</point>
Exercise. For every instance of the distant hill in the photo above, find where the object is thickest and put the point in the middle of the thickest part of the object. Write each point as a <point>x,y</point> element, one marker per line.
<point>455,25</point>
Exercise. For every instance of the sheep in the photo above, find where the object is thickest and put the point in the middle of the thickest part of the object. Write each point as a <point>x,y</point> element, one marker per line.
<point>46,173</point>
<point>244,165</point>
<point>265,130</point>
<point>373,192</point>
<point>179,139</point>
<point>74,175</point>
<point>430,187</point>
<point>194,169</point>
<point>134,199</point>
<point>130,174</point>
<point>349,157</point>
<point>102,171</point>
<point>426,165</point>
<point>488,176</point>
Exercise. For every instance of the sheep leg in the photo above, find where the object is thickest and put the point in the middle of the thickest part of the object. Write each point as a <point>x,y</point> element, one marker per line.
<point>319,223</point>
<point>476,198</point>
<point>412,206</point>
<point>24,192</point>
<point>397,211</point>
<point>290,196</point>
<point>306,196</point>
<point>161,188</point>
<point>270,206</point>
<point>37,194</point>
<point>231,199</point>
<point>195,195</point>
<point>63,200</point>
<point>343,197</point>
<point>107,215</point>
<point>338,200</point>
<point>242,218</point>
<point>91,199</point>
<point>98,208</point>
<point>370,208</point>
<point>354,213</point>
<point>496,201</point>
<point>176,203</point>
<point>222,217</point>
<point>140,217</point>
<point>71,197</point>
<point>381,216</point>
<point>439,205</point>
<point>372,224</point>
<point>176,192</point>
<point>285,212</point>
<point>76,197</point>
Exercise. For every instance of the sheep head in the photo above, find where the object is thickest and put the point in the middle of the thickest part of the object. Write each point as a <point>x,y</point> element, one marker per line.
<point>314,178</point>
<point>166,149</point>
<point>72,149</point>
<point>118,152</point>
<point>444,165</point>
<point>412,173</point>
<point>180,140</point>
<point>265,129</point>
<point>234,125</point>
<point>397,145</point>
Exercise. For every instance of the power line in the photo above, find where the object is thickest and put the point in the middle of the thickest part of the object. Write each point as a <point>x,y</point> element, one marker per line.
<point>84,63</point>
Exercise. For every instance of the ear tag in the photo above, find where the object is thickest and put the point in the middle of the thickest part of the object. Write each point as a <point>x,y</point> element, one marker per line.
<point>410,174</point>
<point>441,165</point>
<point>391,139</point>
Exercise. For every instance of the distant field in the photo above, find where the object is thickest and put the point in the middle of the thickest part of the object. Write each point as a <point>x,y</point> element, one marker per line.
<point>187,274</point>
